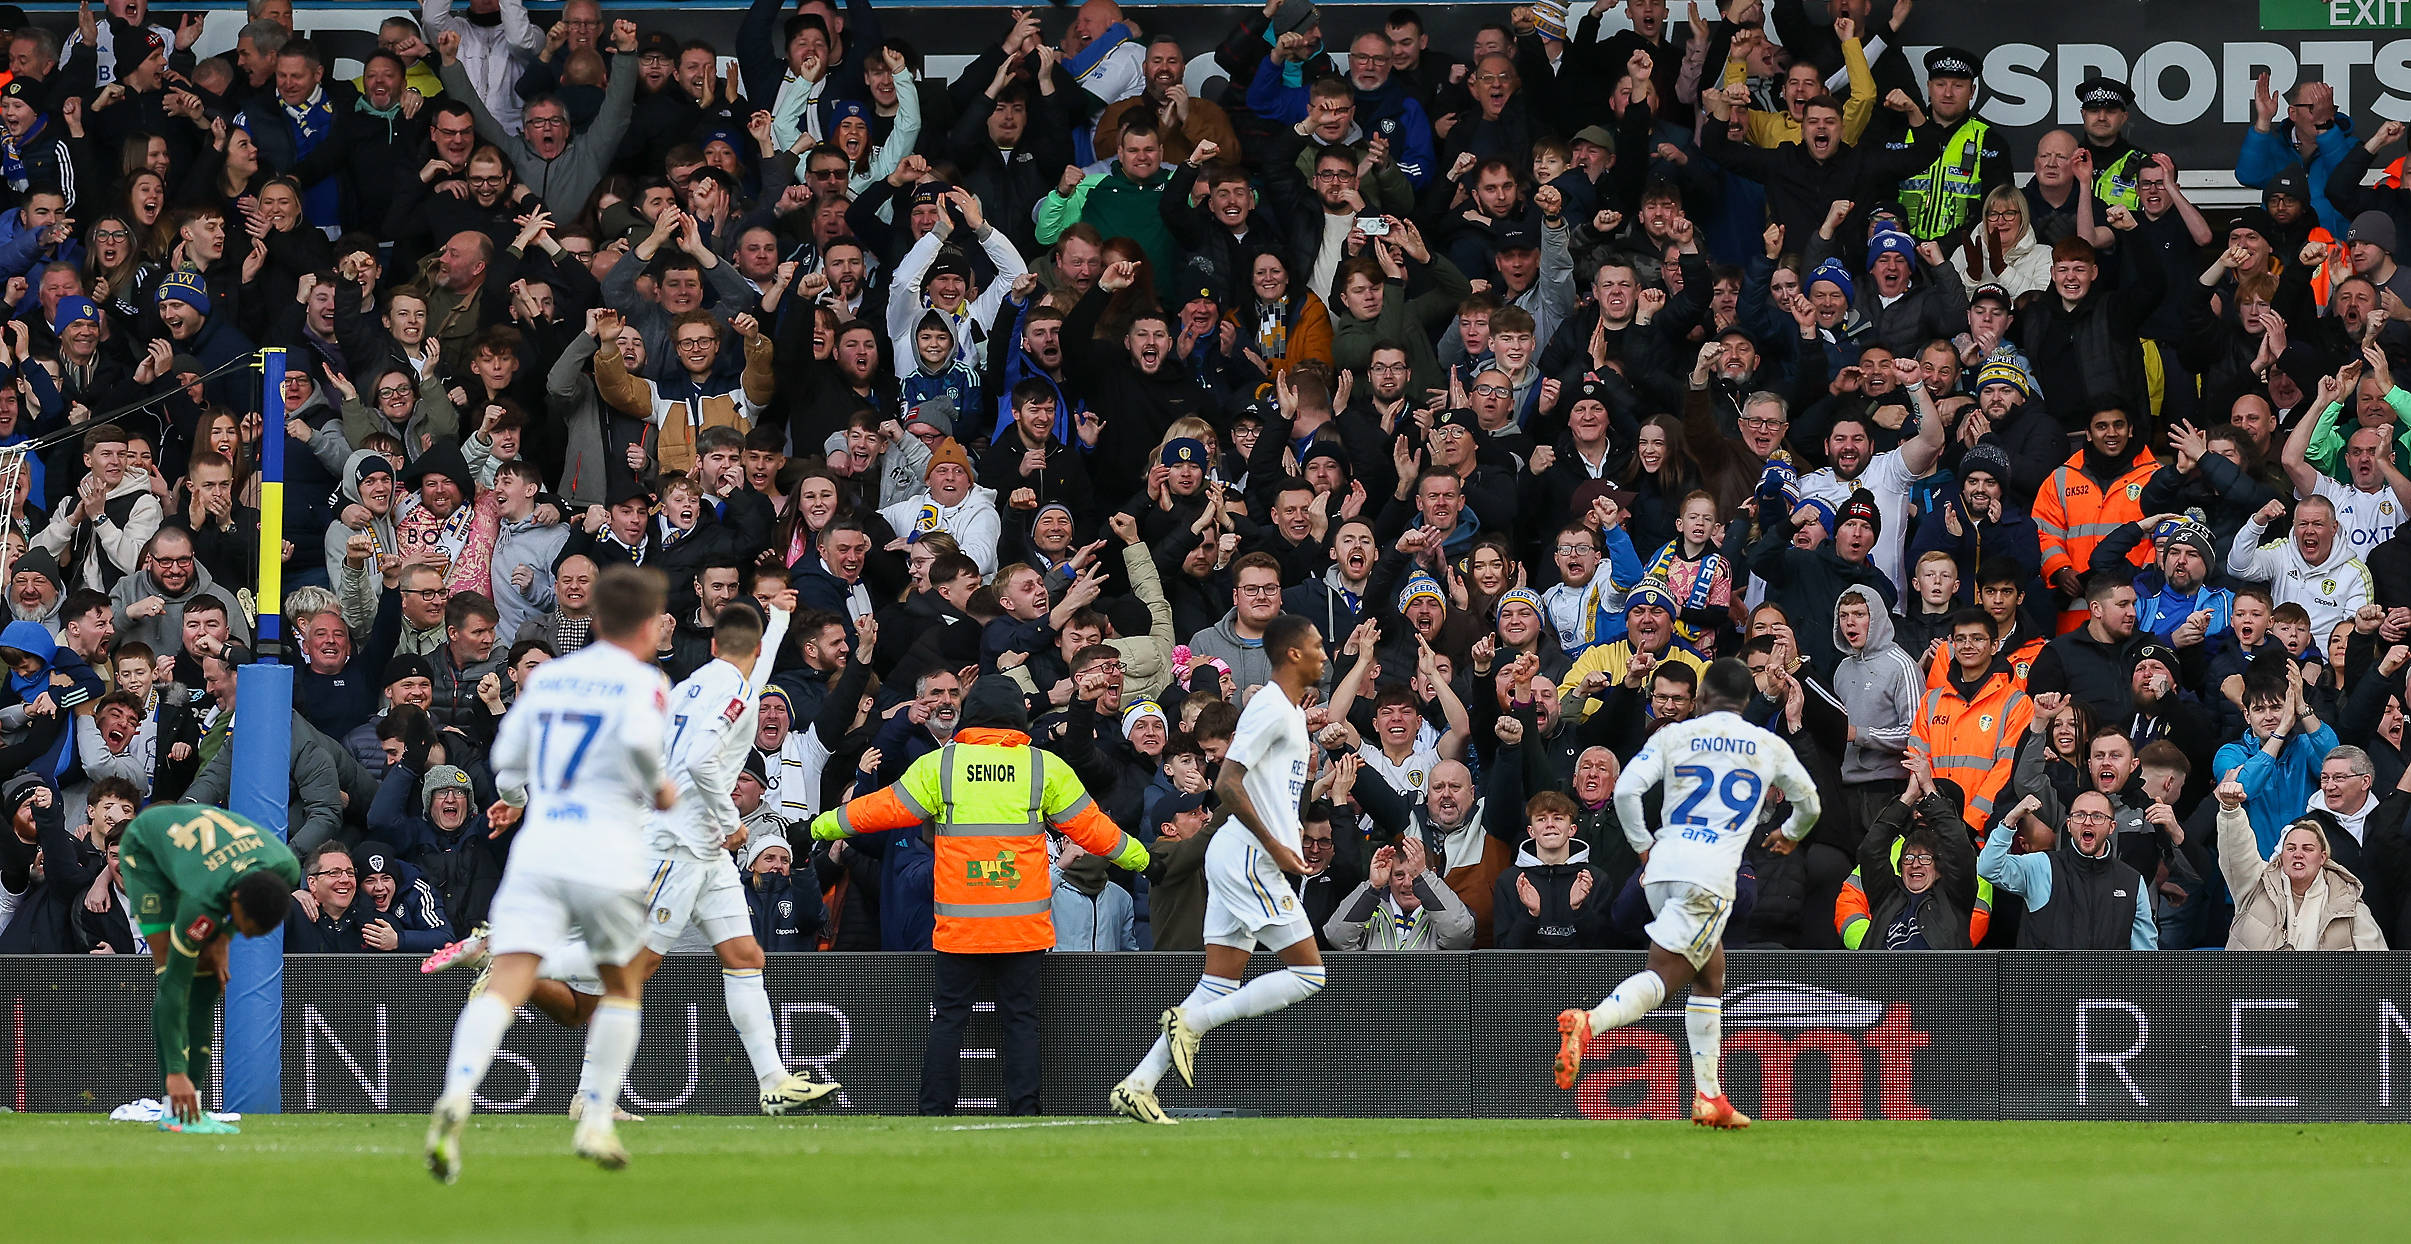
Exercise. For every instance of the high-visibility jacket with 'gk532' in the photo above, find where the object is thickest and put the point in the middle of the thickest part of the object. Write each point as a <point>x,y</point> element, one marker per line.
<point>988,798</point>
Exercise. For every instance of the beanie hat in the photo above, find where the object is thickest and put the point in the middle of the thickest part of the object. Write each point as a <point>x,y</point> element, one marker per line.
<point>1420,585</point>
<point>760,840</point>
<point>2258,220</point>
<point>74,308</point>
<point>184,287</point>
<point>375,857</point>
<point>1141,711</point>
<point>1861,506</point>
<point>406,666</point>
<point>1889,242</point>
<point>1824,512</point>
<point>945,451</point>
<point>1522,595</point>
<point>2188,532</point>
<point>2005,371</point>
<point>1832,272</point>
<point>1651,595</point>
<point>1184,449</point>
<point>443,778</point>
<point>1987,458</point>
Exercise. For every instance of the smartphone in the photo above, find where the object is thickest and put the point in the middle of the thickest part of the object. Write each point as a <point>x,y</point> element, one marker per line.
<point>1373,226</point>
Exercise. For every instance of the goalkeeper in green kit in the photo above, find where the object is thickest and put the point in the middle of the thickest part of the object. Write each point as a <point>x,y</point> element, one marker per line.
<point>193,873</point>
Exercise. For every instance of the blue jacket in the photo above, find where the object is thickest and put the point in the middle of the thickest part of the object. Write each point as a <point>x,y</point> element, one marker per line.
<point>2161,611</point>
<point>417,914</point>
<point>2276,788</point>
<point>1101,921</point>
<point>21,249</point>
<point>786,916</point>
<point>907,887</point>
<point>1279,92</point>
<point>2266,154</point>
<point>52,747</point>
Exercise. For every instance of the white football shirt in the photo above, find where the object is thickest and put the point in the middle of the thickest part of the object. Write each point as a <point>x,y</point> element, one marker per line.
<point>583,747</point>
<point>714,715</point>
<point>1715,770</point>
<point>1271,742</point>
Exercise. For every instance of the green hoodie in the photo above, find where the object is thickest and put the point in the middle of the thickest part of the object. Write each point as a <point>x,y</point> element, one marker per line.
<point>1119,207</point>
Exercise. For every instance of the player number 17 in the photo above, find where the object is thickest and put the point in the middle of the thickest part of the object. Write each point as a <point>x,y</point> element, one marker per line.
<point>586,724</point>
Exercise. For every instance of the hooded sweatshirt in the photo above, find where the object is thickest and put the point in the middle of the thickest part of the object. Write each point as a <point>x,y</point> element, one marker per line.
<point>57,746</point>
<point>1880,686</point>
<point>1249,666</point>
<point>973,522</point>
<point>338,536</point>
<point>164,634</point>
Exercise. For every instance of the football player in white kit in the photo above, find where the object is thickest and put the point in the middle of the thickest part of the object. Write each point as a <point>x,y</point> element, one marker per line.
<point>1248,899</point>
<point>697,898</point>
<point>578,761</point>
<point>1715,768</point>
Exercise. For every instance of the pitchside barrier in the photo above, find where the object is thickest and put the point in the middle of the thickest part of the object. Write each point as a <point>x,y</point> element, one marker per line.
<point>1807,1035</point>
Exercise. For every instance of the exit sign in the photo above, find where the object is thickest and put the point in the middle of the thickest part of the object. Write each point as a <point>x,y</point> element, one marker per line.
<point>2335,14</point>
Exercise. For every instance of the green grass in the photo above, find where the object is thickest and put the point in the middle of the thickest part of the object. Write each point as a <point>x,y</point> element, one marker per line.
<point>977,1181</point>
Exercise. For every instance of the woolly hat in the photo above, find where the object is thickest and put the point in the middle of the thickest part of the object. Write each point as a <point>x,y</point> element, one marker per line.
<point>1988,459</point>
<point>1833,273</point>
<point>1889,242</point>
<point>1861,506</point>
<point>184,287</point>
<point>1141,711</point>
<point>2005,371</point>
<point>945,451</point>
<point>2189,532</point>
<point>443,778</point>
<point>1420,585</point>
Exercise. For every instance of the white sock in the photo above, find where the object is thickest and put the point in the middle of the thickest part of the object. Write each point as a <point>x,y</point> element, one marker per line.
<point>568,961</point>
<point>749,1013</point>
<point>1704,1021</point>
<point>610,1047</point>
<point>1261,996</point>
<point>1151,1069</point>
<point>475,1037</point>
<point>1640,994</point>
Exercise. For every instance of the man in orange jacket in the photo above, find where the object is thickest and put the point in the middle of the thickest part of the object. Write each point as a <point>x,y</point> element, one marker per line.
<point>989,799</point>
<point>2091,495</point>
<point>1969,726</point>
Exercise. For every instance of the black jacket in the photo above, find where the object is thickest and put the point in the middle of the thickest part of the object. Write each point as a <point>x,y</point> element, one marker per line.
<point>1941,913</point>
<point>786,915</point>
<point>1560,924</point>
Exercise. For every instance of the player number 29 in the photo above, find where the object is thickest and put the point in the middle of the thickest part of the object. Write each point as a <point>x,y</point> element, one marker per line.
<point>1738,792</point>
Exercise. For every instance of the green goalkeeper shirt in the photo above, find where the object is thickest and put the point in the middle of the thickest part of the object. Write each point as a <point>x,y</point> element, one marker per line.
<point>180,863</point>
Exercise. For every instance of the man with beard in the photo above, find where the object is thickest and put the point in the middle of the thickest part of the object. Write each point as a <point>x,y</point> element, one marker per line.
<point>1037,355</point>
<point>150,602</point>
<point>1889,477</point>
<point>1982,523</point>
<point>449,843</point>
<point>922,724</point>
<point>1030,458</point>
<point>2088,497</point>
<point>1183,123</point>
<point>2076,892</point>
<point>33,591</point>
<point>2175,603</point>
<point>1470,833</point>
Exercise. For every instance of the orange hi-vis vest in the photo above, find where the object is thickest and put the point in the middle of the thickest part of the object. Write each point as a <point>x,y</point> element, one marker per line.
<point>988,798</point>
<point>1974,742</point>
<point>2072,514</point>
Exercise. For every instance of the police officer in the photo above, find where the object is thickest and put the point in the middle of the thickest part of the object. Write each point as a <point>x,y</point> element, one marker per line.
<point>1944,198</point>
<point>2117,165</point>
<point>988,799</point>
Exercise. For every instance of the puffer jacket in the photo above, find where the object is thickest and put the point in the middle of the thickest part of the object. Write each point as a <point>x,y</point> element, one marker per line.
<point>1880,686</point>
<point>464,866</point>
<point>2263,897</point>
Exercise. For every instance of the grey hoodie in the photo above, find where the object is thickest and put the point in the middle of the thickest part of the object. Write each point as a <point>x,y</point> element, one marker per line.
<point>1249,666</point>
<point>524,543</point>
<point>339,537</point>
<point>164,634</point>
<point>1881,687</point>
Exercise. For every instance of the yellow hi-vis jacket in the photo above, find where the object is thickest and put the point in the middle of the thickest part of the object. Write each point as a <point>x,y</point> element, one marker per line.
<point>988,798</point>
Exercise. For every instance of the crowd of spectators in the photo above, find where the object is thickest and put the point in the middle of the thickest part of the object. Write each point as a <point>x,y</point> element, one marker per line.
<point>2060,528</point>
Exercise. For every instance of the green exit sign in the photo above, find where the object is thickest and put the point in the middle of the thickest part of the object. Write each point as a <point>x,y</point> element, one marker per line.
<point>2335,14</point>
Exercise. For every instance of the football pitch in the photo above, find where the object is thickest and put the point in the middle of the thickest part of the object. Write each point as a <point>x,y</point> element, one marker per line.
<point>1093,1181</point>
